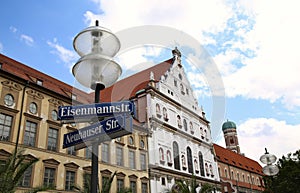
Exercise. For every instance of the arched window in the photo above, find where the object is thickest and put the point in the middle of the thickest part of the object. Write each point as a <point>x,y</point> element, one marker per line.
<point>201,163</point>
<point>33,108</point>
<point>185,125</point>
<point>54,115</point>
<point>225,171</point>
<point>206,169</point>
<point>142,144</point>
<point>190,160</point>
<point>161,154</point>
<point>179,121</point>
<point>169,160</point>
<point>131,141</point>
<point>9,100</point>
<point>165,114</point>
<point>211,170</point>
<point>191,127</point>
<point>158,113</point>
<point>176,157</point>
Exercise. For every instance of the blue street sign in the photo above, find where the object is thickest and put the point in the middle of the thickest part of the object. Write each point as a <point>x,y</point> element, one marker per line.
<point>102,131</point>
<point>87,112</point>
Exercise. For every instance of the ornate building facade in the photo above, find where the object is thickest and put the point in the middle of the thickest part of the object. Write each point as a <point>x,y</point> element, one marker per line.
<point>29,102</point>
<point>179,140</point>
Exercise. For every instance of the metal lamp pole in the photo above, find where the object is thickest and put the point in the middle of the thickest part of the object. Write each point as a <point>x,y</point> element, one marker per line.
<point>96,70</point>
<point>95,149</point>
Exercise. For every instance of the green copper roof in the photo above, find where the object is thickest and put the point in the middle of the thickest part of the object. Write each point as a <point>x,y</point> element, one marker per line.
<point>228,125</point>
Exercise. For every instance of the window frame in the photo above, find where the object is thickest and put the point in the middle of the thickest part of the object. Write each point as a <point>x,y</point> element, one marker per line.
<point>3,126</point>
<point>56,141</point>
<point>9,102</point>
<point>121,156</point>
<point>105,153</point>
<point>32,122</point>
<point>131,160</point>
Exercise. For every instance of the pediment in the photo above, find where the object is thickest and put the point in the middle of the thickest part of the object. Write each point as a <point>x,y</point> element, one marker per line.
<point>71,165</point>
<point>51,161</point>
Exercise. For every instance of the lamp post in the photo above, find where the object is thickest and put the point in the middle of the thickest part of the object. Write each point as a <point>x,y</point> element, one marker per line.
<point>96,70</point>
<point>269,159</point>
<point>270,169</point>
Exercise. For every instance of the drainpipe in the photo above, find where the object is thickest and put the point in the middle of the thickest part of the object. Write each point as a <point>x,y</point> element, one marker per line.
<point>21,116</point>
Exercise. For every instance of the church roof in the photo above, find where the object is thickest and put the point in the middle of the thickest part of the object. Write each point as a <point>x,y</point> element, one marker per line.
<point>237,160</point>
<point>228,125</point>
<point>127,87</point>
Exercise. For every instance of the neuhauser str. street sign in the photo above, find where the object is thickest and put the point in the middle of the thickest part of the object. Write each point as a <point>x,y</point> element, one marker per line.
<point>87,112</point>
<point>101,131</point>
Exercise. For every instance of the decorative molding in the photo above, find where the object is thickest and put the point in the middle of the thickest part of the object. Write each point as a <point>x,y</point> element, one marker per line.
<point>11,85</point>
<point>71,165</point>
<point>55,102</point>
<point>35,94</point>
<point>33,116</point>
<point>9,109</point>
<point>106,172</point>
<point>56,123</point>
<point>120,175</point>
<point>132,177</point>
<point>51,161</point>
<point>87,168</point>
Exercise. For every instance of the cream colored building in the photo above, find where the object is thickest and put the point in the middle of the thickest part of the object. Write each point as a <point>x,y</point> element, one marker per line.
<point>29,103</point>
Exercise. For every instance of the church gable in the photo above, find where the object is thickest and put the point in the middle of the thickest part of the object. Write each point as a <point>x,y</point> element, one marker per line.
<point>175,84</point>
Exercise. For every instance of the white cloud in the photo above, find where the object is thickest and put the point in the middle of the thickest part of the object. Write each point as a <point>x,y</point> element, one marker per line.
<point>273,73</point>
<point>27,39</point>
<point>136,59</point>
<point>13,29</point>
<point>270,72</point>
<point>67,56</point>
<point>191,16</point>
<point>279,137</point>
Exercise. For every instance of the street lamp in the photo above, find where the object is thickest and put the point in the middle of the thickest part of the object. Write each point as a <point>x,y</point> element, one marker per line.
<point>96,70</point>
<point>269,159</point>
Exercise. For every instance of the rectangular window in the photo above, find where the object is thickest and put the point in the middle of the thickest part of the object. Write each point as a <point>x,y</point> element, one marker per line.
<point>143,161</point>
<point>133,186</point>
<point>26,179</point>
<point>30,133</point>
<point>144,187</point>
<point>5,126</point>
<point>131,159</point>
<point>104,181</point>
<point>119,156</point>
<point>39,82</point>
<point>74,97</point>
<point>88,153</point>
<point>71,150</point>
<point>52,139</point>
<point>105,152</point>
<point>86,179</point>
<point>49,177</point>
<point>120,184</point>
<point>70,180</point>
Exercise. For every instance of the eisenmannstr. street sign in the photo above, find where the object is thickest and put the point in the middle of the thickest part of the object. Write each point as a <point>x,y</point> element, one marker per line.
<point>101,131</point>
<point>87,112</point>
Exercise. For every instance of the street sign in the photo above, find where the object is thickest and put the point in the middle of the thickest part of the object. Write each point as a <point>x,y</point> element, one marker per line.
<point>102,131</point>
<point>83,113</point>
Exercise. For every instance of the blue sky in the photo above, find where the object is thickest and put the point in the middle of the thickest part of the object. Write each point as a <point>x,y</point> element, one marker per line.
<point>253,45</point>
